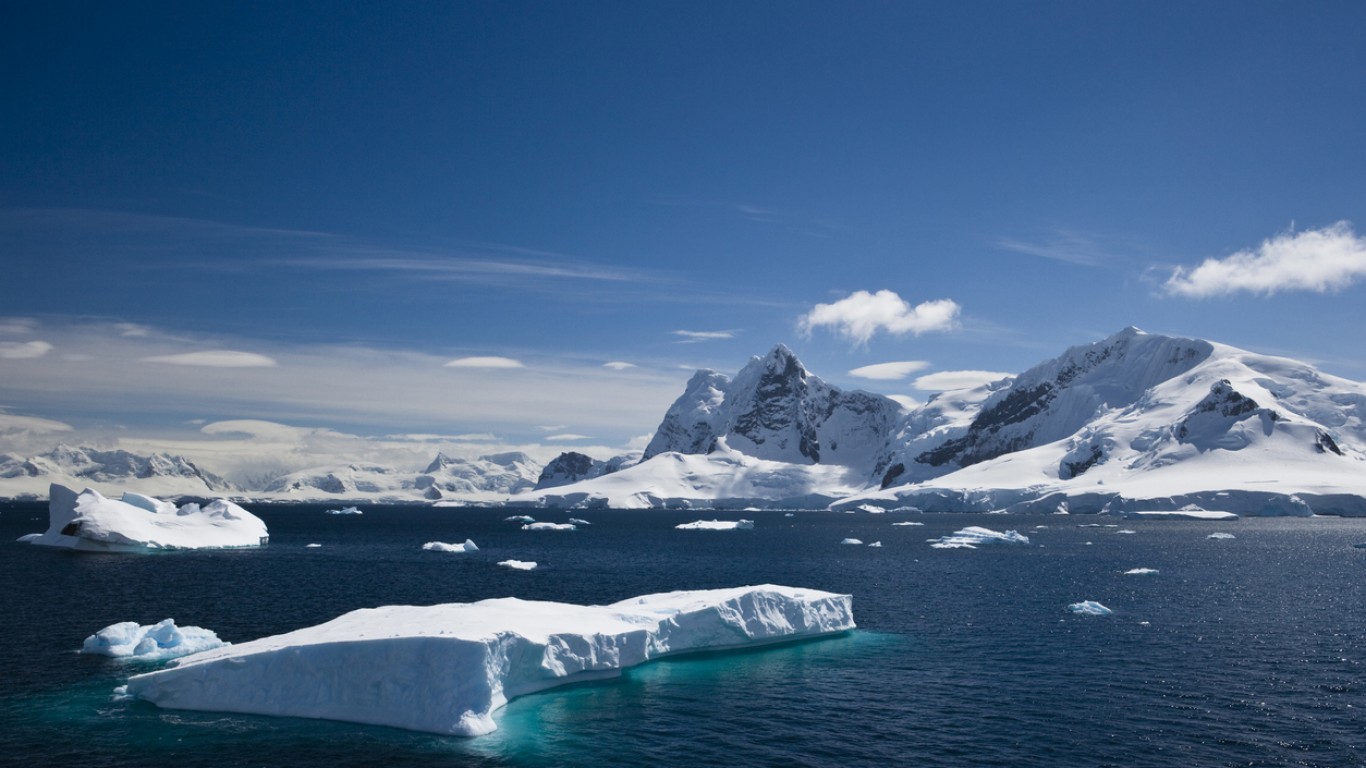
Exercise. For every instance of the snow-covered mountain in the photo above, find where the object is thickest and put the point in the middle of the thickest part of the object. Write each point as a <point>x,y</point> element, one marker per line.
<point>487,478</point>
<point>776,411</point>
<point>572,466</point>
<point>1135,422</point>
<point>155,475</point>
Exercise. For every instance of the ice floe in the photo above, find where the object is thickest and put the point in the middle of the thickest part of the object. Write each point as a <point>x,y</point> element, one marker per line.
<point>90,522</point>
<point>852,541</point>
<point>1220,535</point>
<point>550,527</point>
<point>441,546</point>
<point>446,668</point>
<point>1089,608</point>
<point>518,565</point>
<point>345,511</point>
<point>972,536</point>
<point>716,525</point>
<point>151,642</point>
<point>1140,571</point>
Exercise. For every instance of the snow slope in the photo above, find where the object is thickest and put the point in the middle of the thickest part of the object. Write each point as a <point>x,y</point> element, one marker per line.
<point>28,477</point>
<point>446,668</point>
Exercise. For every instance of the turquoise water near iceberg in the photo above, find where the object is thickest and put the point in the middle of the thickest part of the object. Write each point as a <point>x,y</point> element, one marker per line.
<point>1238,651</point>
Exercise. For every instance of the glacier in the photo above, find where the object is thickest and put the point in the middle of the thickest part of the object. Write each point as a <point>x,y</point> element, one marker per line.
<point>446,669</point>
<point>150,642</point>
<point>89,522</point>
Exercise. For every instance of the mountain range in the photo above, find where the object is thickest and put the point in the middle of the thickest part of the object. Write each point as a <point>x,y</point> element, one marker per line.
<point>1133,423</point>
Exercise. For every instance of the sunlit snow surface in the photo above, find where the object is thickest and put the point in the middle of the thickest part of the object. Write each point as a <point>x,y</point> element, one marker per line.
<point>136,523</point>
<point>151,642</point>
<point>972,536</point>
<point>446,668</point>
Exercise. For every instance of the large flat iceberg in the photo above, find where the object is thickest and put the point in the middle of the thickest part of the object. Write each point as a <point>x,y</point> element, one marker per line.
<point>446,668</point>
<point>135,523</point>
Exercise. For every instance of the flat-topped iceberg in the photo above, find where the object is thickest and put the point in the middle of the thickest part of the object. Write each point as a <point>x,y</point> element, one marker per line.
<point>973,535</point>
<point>518,565</point>
<point>716,525</point>
<point>151,642</point>
<point>550,527</point>
<point>441,546</point>
<point>135,523</point>
<point>446,668</point>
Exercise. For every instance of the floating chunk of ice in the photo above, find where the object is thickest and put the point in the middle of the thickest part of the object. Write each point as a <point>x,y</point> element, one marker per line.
<point>550,527</point>
<point>90,522</point>
<point>152,642</point>
<point>1220,536</point>
<point>970,537</point>
<point>1140,571</point>
<point>1089,608</point>
<point>716,525</point>
<point>578,521</point>
<point>908,522</point>
<point>876,544</point>
<point>441,546</point>
<point>851,541</point>
<point>345,511</point>
<point>519,519</point>
<point>312,546</point>
<point>446,668</point>
<point>518,565</point>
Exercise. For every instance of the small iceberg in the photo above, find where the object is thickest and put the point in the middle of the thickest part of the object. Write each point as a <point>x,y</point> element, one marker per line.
<point>1089,608</point>
<point>345,511</point>
<point>150,642</point>
<point>876,544</point>
<point>1140,571</point>
<point>518,565</point>
<point>1188,512</point>
<point>716,525</point>
<point>379,666</point>
<point>909,522</point>
<point>972,536</point>
<point>1220,535</point>
<point>578,521</point>
<point>89,522</point>
<point>441,546</point>
<point>519,519</point>
<point>550,527</point>
<point>312,546</point>
<point>852,541</point>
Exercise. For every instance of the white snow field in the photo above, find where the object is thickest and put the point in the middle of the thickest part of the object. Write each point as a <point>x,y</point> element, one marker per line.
<point>150,642</point>
<point>973,535</point>
<point>135,523</point>
<point>716,525</point>
<point>446,668</point>
<point>441,546</point>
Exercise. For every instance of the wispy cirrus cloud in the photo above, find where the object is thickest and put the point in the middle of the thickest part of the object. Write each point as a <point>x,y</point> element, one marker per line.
<point>1065,245</point>
<point>215,358</point>
<point>617,365</point>
<point>1316,260</point>
<point>568,437</point>
<point>23,350</point>
<point>889,371</point>
<point>18,326</point>
<point>689,337</point>
<point>861,314</point>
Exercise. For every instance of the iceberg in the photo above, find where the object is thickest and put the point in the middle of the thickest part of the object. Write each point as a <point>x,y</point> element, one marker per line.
<point>441,546</point>
<point>716,525</point>
<point>578,521</point>
<point>519,519</point>
<point>909,522</point>
<point>852,541</point>
<point>518,565</point>
<point>447,668</point>
<point>345,511</point>
<point>152,642</point>
<point>136,523</point>
<point>1140,571</point>
<point>1089,608</point>
<point>1220,536</point>
<point>970,537</point>
<point>550,527</point>
<point>876,544</point>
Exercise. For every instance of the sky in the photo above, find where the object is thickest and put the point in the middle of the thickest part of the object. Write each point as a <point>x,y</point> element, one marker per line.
<point>311,232</point>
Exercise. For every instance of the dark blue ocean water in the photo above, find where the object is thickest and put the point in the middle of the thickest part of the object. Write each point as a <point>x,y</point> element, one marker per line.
<point>1244,651</point>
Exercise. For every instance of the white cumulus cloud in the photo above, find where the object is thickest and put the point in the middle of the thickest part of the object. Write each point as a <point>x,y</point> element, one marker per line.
<point>861,314</point>
<point>889,371</point>
<point>485,362</point>
<point>949,380</point>
<point>1318,260</point>
<point>17,350</point>
<point>215,358</point>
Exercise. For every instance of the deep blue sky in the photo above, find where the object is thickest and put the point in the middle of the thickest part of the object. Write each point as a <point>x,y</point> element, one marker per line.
<point>570,184</point>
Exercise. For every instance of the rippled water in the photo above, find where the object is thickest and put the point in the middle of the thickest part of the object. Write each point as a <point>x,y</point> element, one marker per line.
<point>1243,651</point>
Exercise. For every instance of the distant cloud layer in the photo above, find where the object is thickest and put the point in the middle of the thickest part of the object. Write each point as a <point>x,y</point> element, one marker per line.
<point>889,371</point>
<point>617,365</point>
<point>861,314</point>
<point>15,350</point>
<point>1318,260</point>
<point>949,380</point>
<point>485,362</point>
<point>216,358</point>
